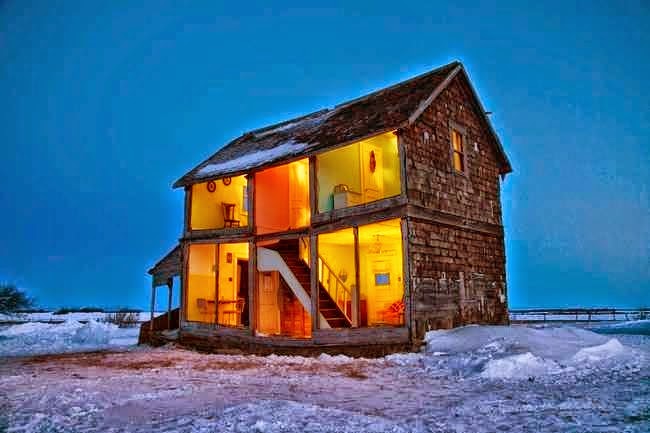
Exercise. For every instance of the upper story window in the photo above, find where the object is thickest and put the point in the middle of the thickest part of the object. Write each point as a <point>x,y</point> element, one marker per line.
<point>358,173</point>
<point>458,150</point>
<point>220,203</point>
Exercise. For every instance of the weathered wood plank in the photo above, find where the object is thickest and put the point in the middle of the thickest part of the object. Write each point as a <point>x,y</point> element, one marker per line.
<point>352,336</point>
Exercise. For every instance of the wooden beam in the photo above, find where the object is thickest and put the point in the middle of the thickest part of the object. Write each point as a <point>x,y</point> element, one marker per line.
<point>153,305</point>
<point>209,235</point>
<point>170,285</point>
<point>406,277</point>
<point>419,213</point>
<point>401,150</point>
<point>313,265</point>
<point>216,285</point>
<point>363,218</point>
<point>251,201</point>
<point>187,227</point>
<point>252,284</point>
<point>185,254</point>
<point>364,210</point>
<point>287,234</point>
<point>313,187</point>
<point>357,280</point>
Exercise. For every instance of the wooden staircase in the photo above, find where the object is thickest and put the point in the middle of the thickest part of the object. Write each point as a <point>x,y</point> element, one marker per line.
<point>289,250</point>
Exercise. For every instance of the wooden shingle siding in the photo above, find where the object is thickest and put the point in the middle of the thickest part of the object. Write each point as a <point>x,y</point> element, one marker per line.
<point>456,247</point>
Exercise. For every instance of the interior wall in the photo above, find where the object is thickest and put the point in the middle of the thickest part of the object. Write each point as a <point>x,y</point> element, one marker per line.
<point>207,210</point>
<point>228,283</point>
<point>201,283</point>
<point>339,166</point>
<point>351,166</point>
<point>282,197</point>
<point>380,253</point>
<point>272,199</point>
<point>336,249</point>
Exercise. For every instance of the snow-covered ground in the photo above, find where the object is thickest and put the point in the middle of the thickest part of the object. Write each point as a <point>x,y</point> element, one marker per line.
<point>471,379</point>
<point>35,338</point>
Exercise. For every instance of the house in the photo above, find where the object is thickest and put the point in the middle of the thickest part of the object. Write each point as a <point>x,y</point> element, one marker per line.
<point>353,230</point>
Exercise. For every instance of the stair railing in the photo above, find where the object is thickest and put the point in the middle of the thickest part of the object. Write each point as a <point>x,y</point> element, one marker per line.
<point>340,293</point>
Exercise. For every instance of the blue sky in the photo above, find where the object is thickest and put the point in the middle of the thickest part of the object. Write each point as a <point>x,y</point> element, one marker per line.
<point>106,105</point>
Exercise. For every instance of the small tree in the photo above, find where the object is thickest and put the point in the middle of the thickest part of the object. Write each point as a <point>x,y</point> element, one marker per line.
<point>12,299</point>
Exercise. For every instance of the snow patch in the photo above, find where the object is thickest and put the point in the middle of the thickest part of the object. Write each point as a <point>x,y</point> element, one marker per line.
<point>519,367</point>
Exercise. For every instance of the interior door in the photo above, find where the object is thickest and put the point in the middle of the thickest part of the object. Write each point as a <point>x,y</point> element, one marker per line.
<point>299,194</point>
<point>372,174</point>
<point>268,309</point>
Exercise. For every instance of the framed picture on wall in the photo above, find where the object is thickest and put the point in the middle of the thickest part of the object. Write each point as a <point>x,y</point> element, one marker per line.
<point>382,279</point>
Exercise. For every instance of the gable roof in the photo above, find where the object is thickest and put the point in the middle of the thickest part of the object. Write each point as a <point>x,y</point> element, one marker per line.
<point>377,112</point>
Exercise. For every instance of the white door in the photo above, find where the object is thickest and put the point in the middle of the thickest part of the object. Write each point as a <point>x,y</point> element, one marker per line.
<point>299,194</point>
<point>269,312</point>
<point>372,179</point>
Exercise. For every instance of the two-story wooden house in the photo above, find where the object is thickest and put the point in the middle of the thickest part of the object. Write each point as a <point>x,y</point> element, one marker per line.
<point>351,230</point>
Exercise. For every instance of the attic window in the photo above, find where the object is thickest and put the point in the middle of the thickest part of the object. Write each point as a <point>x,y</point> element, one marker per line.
<point>458,150</point>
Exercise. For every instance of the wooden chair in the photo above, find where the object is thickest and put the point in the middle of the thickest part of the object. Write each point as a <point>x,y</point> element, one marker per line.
<point>393,314</point>
<point>236,312</point>
<point>229,219</point>
<point>205,309</point>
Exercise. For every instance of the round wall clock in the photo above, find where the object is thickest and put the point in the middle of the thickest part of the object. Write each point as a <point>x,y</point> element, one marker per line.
<point>211,186</point>
<point>226,181</point>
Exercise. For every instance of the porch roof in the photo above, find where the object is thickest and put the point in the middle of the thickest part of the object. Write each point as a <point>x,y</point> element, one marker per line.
<point>167,267</point>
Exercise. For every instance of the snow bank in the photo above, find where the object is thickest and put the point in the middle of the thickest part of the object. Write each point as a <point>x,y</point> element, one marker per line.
<point>519,367</point>
<point>41,338</point>
<point>517,352</point>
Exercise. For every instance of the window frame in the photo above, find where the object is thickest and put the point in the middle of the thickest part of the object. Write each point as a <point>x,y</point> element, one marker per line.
<point>462,132</point>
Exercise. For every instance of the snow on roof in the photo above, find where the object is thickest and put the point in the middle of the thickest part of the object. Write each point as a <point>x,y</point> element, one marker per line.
<point>251,160</point>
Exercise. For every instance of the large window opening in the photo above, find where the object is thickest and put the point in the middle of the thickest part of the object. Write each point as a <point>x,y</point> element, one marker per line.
<point>381,275</point>
<point>217,282</point>
<point>283,289</point>
<point>380,289</point>
<point>337,277</point>
<point>361,172</point>
<point>282,197</point>
<point>220,203</point>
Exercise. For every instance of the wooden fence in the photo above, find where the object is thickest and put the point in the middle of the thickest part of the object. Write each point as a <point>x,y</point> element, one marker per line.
<point>577,314</point>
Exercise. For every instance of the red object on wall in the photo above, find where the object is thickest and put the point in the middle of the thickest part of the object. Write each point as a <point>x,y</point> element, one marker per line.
<point>373,161</point>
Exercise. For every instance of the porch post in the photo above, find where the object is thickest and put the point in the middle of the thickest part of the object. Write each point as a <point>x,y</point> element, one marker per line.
<point>357,279</point>
<point>252,284</point>
<point>153,303</point>
<point>216,285</point>
<point>313,264</point>
<point>406,279</point>
<point>170,284</point>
